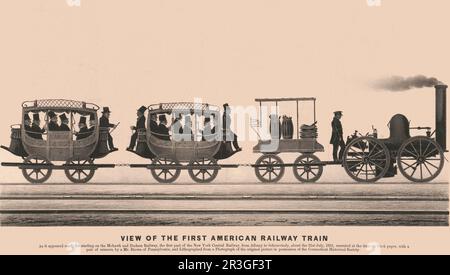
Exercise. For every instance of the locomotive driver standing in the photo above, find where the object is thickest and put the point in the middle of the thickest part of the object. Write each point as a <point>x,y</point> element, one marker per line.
<point>337,137</point>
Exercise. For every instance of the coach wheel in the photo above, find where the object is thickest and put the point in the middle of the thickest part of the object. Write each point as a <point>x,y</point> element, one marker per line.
<point>268,168</point>
<point>307,168</point>
<point>35,173</point>
<point>420,159</point>
<point>168,173</point>
<point>366,159</point>
<point>207,171</point>
<point>78,174</point>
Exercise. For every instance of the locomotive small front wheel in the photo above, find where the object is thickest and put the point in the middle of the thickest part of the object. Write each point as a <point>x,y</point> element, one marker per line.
<point>79,174</point>
<point>420,159</point>
<point>366,159</point>
<point>165,173</point>
<point>307,168</point>
<point>33,172</point>
<point>269,168</point>
<point>205,172</point>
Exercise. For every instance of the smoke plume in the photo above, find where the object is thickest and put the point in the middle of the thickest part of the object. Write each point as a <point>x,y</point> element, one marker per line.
<point>399,83</point>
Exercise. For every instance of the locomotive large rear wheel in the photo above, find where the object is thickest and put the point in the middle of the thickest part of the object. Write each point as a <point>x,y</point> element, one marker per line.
<point>34,174</point>
<point>307,168</point>
<point>366,159</point>
<point>166,174</point>
<point>207,172</point>
<point>420,159</point>
<point>268,168</point>
<point>78,174</point>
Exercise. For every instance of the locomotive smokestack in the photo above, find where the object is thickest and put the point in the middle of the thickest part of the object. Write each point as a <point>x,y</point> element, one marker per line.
<point>441,115</point>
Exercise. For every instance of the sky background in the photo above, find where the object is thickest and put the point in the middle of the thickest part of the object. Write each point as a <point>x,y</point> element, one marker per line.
<point>124,54</point>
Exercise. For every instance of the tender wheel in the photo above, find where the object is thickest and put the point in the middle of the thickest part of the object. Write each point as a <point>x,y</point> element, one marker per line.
<point>307,168</point>
<point>203,175</point>
<point>36,175</point>
<point>269,171</point>
<point>366,159</point>
<point>166,174</point>
<point>420,159</point>
<point>79,175</point>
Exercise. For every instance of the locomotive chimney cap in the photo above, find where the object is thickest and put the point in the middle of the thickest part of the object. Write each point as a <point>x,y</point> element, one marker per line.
<point>441,85</point>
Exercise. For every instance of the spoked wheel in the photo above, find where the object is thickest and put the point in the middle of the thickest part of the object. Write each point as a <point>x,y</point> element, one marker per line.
<point>35,174</point>
<point>267,168</point>
<point>207,173</point>
<point>78,174</point>
<point>366,159</point>
<point>420,159</point>
<point>307,168</point>
<point>165,174</point>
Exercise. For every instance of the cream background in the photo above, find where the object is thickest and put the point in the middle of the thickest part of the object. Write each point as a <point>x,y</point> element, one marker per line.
<point>126,53</point>
<point>123,54</point>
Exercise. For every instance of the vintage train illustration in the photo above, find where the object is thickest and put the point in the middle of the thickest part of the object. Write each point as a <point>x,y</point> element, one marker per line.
<point>199,137</point>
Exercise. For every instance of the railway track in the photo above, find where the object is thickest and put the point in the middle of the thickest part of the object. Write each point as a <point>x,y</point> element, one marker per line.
<point>225,205</point>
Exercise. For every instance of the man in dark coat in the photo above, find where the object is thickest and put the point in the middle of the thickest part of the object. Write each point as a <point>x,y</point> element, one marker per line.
<point>140,125</point>
<point>104,123</point>
<point>84,131</point>
<point>153,123</point>
<point>53,124</point>
<point>208,133</point>
<point>36,130</point>
<point>163,131</point>
<point>64,123</point>
<point>226,125</point>
<point>92,124</point>
<point>27,124</point>
<point>337,138</point>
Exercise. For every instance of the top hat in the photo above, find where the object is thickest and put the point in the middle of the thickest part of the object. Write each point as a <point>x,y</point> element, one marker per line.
<point>338,113</point>
<point>82,120</point>
<point>92,117</point>
<point>226,105</point>
<point>142,109</point>
<point>26,117</point>
<point>207,119</point>
<point>63,117</point>
<point>106,110</point>
<point>36,117</point>
<point>51,114</point>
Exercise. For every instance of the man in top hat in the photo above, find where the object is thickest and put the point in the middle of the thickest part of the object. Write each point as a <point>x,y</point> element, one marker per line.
<point>104,123</point>
<point>153,123</point>
<point>140,125</point>
<point>64,123</point>
<point>84,131</point>
<point>226,125</point>
<point>27,124</point>
<point>208,133</point>
<point>92,124</point>
<point>36,130</point>
<point>53,124</point>
<point>163,131</point>
<point>337,137</point>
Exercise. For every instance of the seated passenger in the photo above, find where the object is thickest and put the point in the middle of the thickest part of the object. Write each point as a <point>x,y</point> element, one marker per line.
<point>92,124</point>
<point>36,131</point>
<point>187,131</point>
<point>53,124</point>
<point>208,133</point>
<point>64,123</point>
<point>153,123</point>
<point>84,131</point>
<point>163,131</point>
<point>177,128</point>
<point>27,124</point>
